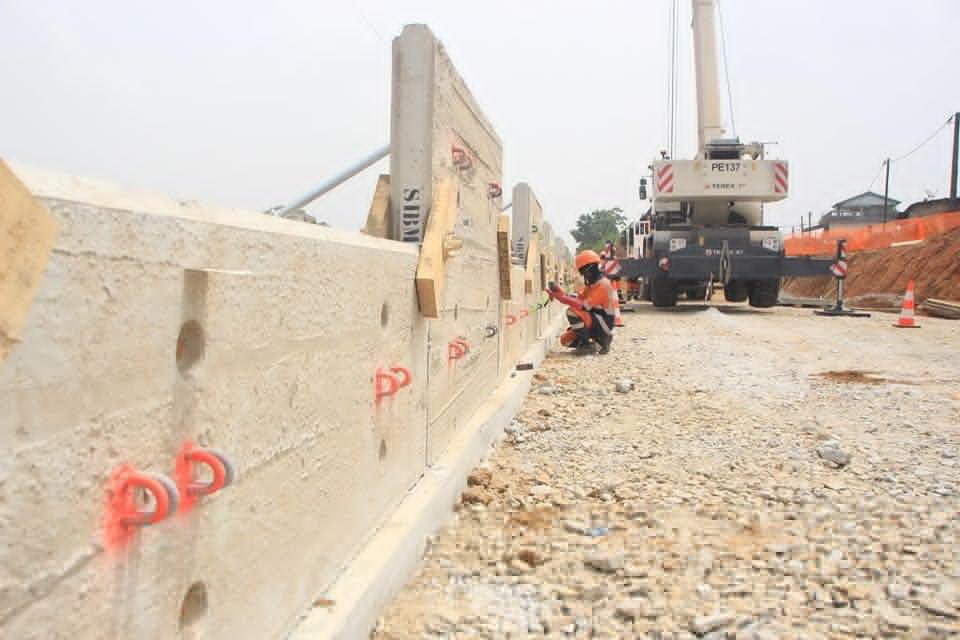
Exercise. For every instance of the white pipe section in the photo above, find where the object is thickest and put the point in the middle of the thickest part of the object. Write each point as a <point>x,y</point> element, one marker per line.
<point>709,106</point>
<point>336,180</point>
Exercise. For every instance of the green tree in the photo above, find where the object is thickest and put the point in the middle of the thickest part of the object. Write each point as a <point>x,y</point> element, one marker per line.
<point>595,228</point>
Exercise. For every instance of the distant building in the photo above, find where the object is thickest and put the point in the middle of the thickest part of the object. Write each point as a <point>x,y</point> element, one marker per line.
<point>866,208</point>
<point>931,207</point>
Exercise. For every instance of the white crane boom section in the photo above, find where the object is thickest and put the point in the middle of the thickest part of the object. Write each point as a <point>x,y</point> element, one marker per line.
<point>727,180</point>
<point>709,105</point>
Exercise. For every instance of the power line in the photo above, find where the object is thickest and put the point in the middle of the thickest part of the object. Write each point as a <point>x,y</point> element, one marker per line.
<point>879,171</point>
<point>926,140</point>
<point>672,82</point>
<point>726,70</point>
<point>367,21</point>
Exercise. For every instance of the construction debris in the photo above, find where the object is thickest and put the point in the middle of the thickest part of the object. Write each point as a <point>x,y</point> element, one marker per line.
<point>942,308</point>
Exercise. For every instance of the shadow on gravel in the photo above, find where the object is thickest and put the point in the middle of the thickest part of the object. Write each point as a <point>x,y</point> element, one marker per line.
<point>648,309</point>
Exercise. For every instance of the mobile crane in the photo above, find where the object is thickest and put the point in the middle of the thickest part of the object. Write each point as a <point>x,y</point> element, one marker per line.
<point>705,224</point>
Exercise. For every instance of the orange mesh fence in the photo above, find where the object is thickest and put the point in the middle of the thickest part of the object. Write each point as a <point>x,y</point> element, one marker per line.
<point>872,236</point>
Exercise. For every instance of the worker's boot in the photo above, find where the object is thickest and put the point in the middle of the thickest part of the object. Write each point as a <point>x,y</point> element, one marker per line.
<point>604,340</point>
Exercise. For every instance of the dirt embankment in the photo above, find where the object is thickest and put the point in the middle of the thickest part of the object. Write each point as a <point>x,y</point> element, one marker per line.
<point>934,266</point>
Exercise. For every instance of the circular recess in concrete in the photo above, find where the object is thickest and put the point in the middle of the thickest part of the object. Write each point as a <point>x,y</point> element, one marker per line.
<point>193,610</point>
<point>191,344</point>
<point>383,449</point>
<point>384,315</point>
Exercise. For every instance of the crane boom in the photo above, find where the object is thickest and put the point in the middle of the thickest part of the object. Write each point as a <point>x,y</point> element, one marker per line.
<point>705,224</point>
<point>709,108</point>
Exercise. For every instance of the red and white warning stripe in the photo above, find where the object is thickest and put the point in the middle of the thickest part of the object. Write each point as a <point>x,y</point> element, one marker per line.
<point>665,179</point>
<point>839,268</point>
<point>611,267</point>
<point>780,177</point>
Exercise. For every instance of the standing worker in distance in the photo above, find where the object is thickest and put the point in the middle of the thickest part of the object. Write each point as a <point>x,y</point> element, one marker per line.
<point>592,312</point>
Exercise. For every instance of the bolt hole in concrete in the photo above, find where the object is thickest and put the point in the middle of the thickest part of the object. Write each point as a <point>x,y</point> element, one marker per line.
<point>384,315</point>
<point>191,344</point>
<point>193,610</point>
<point>383,449</point>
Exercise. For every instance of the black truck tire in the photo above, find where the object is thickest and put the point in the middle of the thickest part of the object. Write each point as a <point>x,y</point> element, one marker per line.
<point>735,291</point>
<point>764,293</point>
<point>663,291</point>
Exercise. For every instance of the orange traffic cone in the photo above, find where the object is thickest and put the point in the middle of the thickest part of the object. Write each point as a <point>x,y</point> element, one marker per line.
<point>906,321</point>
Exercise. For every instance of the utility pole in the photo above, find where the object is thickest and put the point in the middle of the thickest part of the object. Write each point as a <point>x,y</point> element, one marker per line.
<point>886,193</point>
<point>809,219</point>
<point>956,150</point>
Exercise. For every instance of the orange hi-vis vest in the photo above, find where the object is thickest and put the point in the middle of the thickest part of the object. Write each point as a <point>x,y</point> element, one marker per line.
<point>600,296</point>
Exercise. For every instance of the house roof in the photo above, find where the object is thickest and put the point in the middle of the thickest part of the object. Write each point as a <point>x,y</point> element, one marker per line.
<point>865,199</point>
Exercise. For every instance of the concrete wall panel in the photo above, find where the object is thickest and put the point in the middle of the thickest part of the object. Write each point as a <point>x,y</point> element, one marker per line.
<point>295,321</point>
<point>293,333</point>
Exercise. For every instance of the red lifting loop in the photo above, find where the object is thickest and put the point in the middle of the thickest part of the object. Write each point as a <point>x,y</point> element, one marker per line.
<point>455,350</point>
<point>511,319</point>
<point>461,159</point>
<point>216,465</point>
<point>159,491</point>
<point>494,190</point>
<point>382,378</point>
<point>524,313</point>
<point>405,373</point>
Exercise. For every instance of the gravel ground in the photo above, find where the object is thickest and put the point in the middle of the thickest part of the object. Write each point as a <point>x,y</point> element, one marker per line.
<point>723,473</point>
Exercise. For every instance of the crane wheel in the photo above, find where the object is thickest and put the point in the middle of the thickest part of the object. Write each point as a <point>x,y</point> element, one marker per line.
<point>764,293</point>
<point>663,291</point>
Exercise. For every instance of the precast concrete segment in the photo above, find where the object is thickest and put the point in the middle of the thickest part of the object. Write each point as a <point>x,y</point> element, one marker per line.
<point>284,351</point>
<point>160,321</point>
<point>389,558</point>
<point>439,132</point>
<point>527,219</point>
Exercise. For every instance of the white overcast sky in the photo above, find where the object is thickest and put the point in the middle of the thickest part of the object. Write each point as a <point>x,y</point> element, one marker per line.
<point>250,104</point>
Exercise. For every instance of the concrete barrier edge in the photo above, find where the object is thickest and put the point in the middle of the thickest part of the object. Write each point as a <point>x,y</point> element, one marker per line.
<point>385,563</point>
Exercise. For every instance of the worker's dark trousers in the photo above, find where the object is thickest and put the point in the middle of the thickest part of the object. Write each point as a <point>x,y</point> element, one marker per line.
<point>602,326</point>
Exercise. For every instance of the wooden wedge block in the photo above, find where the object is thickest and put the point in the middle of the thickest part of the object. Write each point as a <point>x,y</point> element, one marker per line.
<point>27,233</point>
<point>431,269</point>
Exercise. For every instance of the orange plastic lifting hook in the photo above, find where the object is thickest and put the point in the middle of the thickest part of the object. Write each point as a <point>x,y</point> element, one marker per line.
<point>461,159</point>
<point>381,378</point>
<point>123,502</point>
<point>494,190</point>
<point>511,320</point>
<point>188,458</point>
<point>404,372</point>
<point>456,349</point>
<point>524,313</point>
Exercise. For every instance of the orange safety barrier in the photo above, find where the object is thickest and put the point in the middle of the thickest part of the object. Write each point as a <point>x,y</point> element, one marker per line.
<point>823,242</point>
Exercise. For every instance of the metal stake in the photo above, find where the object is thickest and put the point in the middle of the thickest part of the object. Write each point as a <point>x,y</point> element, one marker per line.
<point>335,181</point>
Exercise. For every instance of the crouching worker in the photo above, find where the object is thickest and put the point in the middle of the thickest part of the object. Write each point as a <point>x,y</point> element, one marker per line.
<point>592,312</point>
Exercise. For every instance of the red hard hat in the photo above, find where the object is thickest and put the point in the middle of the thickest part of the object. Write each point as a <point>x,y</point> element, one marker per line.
<point>586,257</point>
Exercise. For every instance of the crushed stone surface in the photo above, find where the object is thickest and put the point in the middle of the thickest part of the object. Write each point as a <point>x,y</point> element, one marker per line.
<point>734,491</point>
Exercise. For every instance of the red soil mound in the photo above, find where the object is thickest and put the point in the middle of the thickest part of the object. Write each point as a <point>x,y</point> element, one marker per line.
<point>933,264</point>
